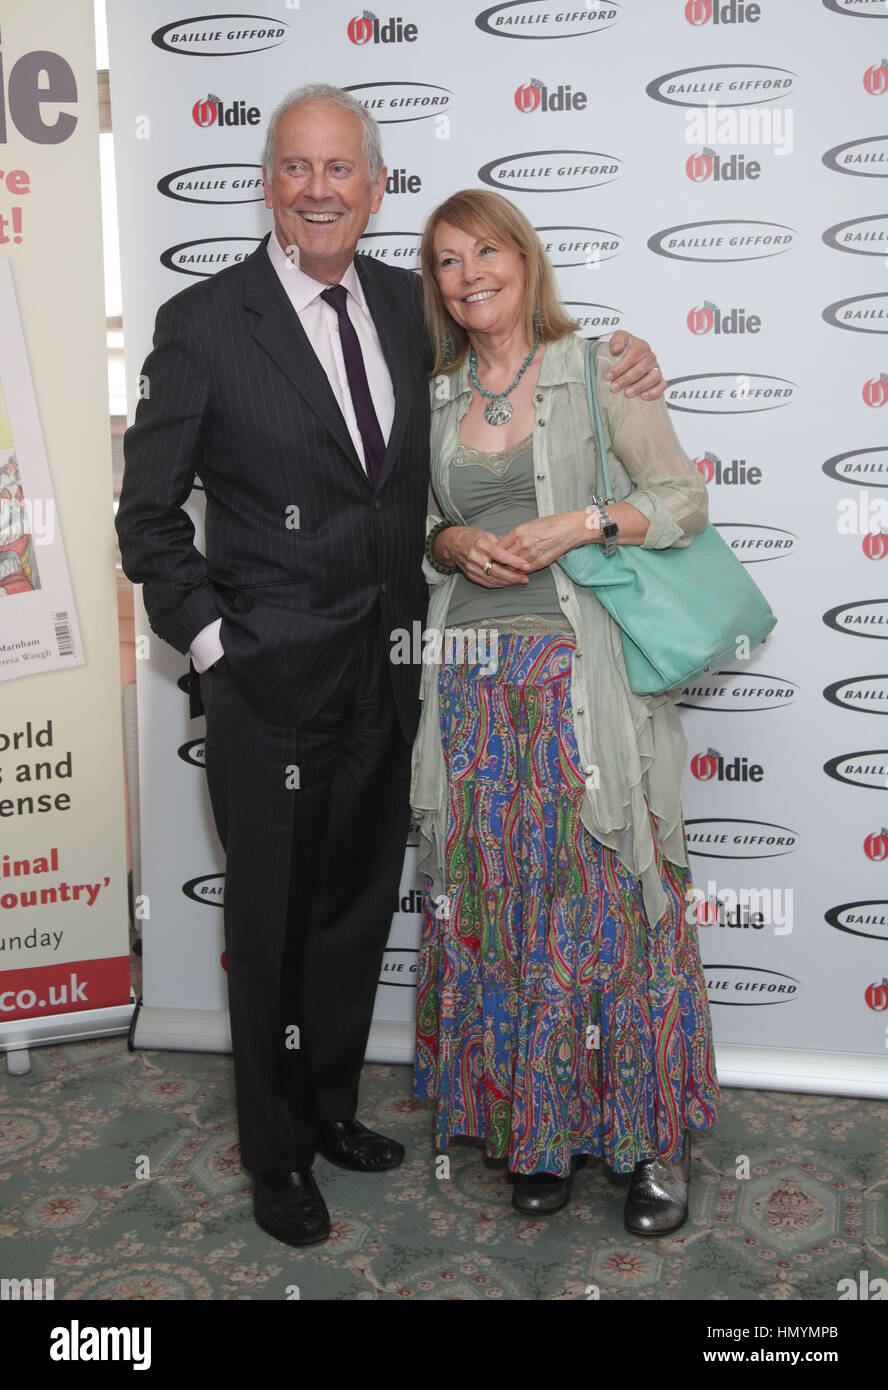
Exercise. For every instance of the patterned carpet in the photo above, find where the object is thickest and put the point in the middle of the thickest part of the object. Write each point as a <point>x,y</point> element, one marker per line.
<point>120,1179</point>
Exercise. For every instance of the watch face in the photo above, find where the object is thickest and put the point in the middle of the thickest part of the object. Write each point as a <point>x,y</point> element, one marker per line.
<point>609,529</point>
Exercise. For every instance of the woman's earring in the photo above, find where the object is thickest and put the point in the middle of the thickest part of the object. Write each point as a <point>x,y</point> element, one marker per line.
<point>447,350</point>
<point>539,321</point>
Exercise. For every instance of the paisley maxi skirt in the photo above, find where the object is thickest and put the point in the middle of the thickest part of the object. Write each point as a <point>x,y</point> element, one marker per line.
<point>553,1019</point>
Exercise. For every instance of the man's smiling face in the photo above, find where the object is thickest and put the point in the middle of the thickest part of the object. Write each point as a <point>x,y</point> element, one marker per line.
<point>320,192</point>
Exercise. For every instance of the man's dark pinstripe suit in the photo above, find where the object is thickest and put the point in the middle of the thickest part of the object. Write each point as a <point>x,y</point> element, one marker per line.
<point>238,398</point>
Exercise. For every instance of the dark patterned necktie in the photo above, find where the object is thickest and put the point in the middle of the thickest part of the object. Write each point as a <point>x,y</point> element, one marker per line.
<point>368,424</point>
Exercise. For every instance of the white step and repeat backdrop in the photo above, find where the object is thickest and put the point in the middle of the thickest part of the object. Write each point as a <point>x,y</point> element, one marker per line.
<point>713,176</point>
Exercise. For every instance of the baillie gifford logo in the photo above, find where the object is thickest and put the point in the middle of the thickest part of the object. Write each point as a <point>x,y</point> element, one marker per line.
<point>865,694</point>
<point>699,12</point>
<point>867,617</point>
<point>738,692</point>
<point>211,110</point>
<point>868,768</point>
<point>712,767</point>
<point>863,467</point>
<point>547,19</point>
<point>369,28</point>
<point>709,165</point>
<point>729,393</point>
<point>220,35</point>
<point>866,158</point>
<point>536,96</point>
<point>858,9</point>
<point>708,318</point>
<point>868,917</point>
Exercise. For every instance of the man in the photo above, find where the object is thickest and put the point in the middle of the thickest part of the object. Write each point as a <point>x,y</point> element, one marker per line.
<point>304,410</point>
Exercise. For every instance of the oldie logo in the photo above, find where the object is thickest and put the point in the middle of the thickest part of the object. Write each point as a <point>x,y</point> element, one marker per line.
<point>865,467</point>
<point>866,918</point>
<point>875,846</point>
<point>723,838</point>
<point>751,543</point>
<point>874,392</point>
<point>393,102</point>
<point>712,767</point>
<point>573,246</point>
<point>211,111</point>
<point>874,544</point>
<point>547,19</point>
<point>193,752</point>
<point>208,256</point>
<point>749,984</point>
<point>866,769</point>
<point>220,35</point>
<point>734,474</point>
<point>397,248</point>
<point>399,181</point>
<point>863,313</point>
<point>209,889</point>
<point>868,694</point>
<point>367,28</point>
<point>536,96</point>
<point>866,618</point>
<point>729,393</point>
<point>875,996</point>
<point>742,240</point>
<point>214,183</point>
<point>724,84</point>
<point>737,168</point>
<point>737,693</point>
<point>875,79</point>
<point>551,171</point>
<point>699,12</point>
<point>867,158</point>
<point>861,236</point>
<point>596,319</point>
<point>709,318</point>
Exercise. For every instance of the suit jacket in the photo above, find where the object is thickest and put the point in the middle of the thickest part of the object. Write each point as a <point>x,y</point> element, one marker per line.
<point>299,547</point>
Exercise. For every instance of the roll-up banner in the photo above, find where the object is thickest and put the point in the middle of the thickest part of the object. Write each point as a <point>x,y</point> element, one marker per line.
<point>64,947</point>
<point>704,178</point>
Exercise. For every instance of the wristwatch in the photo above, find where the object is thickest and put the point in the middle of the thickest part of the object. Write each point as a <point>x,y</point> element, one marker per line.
<point>609,530</point>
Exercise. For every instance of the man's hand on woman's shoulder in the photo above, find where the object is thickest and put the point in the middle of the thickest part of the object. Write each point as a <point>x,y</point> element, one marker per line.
<point>637,371</point>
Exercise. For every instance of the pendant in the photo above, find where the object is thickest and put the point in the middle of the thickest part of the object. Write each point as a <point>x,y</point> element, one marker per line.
<point>498,412</point>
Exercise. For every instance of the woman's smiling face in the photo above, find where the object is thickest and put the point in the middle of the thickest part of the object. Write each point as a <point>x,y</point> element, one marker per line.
<point>482,280</point>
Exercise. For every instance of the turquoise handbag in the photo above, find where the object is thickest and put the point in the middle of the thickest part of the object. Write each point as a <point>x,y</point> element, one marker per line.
<point>682,610</point>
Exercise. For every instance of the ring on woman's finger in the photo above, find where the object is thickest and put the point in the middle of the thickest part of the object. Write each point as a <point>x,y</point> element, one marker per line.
<point>488,567</point>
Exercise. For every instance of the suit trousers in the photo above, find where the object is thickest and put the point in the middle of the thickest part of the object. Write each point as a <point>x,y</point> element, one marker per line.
<point>313,820</point>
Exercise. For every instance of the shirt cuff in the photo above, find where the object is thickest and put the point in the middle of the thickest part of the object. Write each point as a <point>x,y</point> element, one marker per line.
<point>206,649</point>
<point>663,530</point>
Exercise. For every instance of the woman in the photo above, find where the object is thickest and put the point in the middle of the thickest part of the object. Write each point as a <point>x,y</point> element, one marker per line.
<point>562,1009</point>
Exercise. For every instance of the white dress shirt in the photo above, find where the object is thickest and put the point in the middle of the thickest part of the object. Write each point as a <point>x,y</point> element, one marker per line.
<point>321,324</point>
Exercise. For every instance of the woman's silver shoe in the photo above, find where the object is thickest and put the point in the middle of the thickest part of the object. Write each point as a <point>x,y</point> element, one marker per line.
<point>657,1202</point>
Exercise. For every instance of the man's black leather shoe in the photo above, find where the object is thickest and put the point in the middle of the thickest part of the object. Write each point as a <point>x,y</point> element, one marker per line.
<point>540,1194</point>
<point>289,1206</point>
<point>349,1144</point>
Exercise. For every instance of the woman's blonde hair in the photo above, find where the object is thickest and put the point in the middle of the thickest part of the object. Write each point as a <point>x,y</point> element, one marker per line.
<point>479,213</point>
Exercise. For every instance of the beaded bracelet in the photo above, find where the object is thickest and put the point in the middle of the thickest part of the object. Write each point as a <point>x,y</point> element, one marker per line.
<point>430,541</point>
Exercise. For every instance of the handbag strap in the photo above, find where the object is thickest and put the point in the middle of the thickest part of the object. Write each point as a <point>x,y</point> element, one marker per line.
<point>601,474</point>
